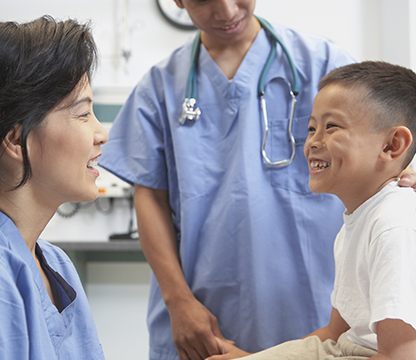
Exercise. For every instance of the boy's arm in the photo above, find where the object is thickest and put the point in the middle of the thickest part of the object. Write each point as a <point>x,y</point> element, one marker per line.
<point>396,340</point>
<point>334,329</point>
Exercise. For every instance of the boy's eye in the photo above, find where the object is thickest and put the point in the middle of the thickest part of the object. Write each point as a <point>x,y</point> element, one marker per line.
<point>311,129</point>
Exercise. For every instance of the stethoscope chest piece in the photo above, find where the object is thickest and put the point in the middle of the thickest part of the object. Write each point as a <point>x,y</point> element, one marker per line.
<point>189,112</point>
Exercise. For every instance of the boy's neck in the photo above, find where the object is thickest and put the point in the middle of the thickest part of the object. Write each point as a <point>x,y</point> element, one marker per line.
<point>352,201</point>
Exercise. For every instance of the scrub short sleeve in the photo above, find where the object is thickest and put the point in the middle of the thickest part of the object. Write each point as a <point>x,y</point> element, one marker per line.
<point>135,151</point>
<point>337,58</point>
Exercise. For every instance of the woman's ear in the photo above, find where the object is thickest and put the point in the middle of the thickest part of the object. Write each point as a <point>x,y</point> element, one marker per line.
<point>398,141</point>
<point>12,143</point>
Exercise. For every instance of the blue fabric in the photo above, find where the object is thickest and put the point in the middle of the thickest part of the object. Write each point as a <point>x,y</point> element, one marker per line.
<point>255,243</point>
<point>30,325</point>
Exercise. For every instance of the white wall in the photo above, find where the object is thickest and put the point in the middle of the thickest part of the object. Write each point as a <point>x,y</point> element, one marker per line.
<point>367,29</point>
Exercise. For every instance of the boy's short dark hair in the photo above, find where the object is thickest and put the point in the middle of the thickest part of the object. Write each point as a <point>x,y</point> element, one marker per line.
<point>391,91</point>
<point>41,63</point>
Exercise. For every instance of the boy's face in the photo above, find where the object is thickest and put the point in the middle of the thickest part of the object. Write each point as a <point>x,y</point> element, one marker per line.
<point>342,147</point>
<point>225,21</point>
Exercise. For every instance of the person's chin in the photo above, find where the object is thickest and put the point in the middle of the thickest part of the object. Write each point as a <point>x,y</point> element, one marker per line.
<point>88,195</point>
<point>316,188</point>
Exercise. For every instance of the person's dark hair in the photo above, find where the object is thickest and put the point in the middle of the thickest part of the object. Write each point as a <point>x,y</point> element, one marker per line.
<point>391,93</point>
<point>41,63</point>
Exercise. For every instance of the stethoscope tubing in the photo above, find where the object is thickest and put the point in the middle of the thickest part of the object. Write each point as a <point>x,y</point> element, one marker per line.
<point>276,39</point>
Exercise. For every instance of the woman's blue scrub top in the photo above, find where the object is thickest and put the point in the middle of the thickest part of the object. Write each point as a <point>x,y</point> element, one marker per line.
<point>30,325</point>
<point>254,242</point>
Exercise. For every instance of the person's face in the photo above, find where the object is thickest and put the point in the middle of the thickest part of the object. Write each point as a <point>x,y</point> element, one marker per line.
<point>342,147</point>
<point>63,152</point>
<point>226,21</point>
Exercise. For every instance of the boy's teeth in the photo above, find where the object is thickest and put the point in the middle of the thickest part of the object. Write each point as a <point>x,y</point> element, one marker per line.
<point>316,165</point>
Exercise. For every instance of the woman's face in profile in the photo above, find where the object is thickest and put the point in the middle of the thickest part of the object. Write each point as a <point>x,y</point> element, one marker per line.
<point>63,152</point>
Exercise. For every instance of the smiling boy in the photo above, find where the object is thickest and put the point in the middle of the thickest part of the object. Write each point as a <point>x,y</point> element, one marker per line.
<point>360,139</point>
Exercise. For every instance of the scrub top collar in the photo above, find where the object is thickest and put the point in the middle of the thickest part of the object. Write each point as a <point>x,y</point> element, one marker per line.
<point>62,292</point>
<point>254,59</point>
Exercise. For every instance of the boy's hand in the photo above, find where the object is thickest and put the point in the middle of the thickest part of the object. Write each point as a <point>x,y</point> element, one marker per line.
<point>228,351</point>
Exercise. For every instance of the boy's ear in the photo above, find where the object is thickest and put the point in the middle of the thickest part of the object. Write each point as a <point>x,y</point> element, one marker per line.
<point>398,141</point>
<point>12,143</point>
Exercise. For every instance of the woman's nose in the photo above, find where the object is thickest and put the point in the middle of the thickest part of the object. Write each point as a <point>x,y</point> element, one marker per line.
<point>100,135</point>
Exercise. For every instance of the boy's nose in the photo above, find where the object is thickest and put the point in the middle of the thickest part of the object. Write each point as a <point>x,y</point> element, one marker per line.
<point>314,142</point>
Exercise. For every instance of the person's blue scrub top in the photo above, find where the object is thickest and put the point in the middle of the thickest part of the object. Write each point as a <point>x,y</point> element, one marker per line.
<point>254,242</point>
<point>31,327</point>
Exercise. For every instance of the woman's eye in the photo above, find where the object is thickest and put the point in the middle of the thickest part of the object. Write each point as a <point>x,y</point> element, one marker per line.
<point>328,126</point>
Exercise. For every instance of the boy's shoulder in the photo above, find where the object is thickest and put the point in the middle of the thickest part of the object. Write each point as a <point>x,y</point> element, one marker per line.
<point>396,208</point>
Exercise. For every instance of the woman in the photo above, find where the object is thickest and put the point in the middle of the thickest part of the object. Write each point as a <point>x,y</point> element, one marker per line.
<point>50,141</point>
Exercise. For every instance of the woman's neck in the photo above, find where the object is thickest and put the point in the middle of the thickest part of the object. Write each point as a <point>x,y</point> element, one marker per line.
<point>27,213</point>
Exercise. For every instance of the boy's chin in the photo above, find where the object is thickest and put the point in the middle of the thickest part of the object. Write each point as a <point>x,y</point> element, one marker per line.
<point>316,188</point>
<point>322,190</point>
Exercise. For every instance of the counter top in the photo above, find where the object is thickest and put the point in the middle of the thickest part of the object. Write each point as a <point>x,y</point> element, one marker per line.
<point>113,245</point>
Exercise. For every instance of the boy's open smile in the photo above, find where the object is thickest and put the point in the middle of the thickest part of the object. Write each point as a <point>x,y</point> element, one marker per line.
<point>317,165</point>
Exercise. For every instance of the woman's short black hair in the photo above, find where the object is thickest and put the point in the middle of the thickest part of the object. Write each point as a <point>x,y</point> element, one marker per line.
<point>41,63</point>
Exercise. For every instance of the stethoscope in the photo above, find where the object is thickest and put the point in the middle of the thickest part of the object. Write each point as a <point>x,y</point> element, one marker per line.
<point>191,114</point>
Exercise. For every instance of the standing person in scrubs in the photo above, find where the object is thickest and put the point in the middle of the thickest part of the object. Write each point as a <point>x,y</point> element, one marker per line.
<point>50,141</point>
<point>235,246</point>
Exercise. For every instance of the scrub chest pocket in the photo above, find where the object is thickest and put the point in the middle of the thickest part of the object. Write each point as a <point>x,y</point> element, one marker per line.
<point>294,177</point>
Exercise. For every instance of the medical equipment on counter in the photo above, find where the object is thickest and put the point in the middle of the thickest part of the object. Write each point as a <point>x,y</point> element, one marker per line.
<point>190,113</point>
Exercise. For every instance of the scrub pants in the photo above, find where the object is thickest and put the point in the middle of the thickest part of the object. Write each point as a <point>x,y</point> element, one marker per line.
<point>312,348</point>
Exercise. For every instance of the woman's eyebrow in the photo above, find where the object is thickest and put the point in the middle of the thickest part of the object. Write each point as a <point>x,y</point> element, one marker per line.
<point>85,99</point>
